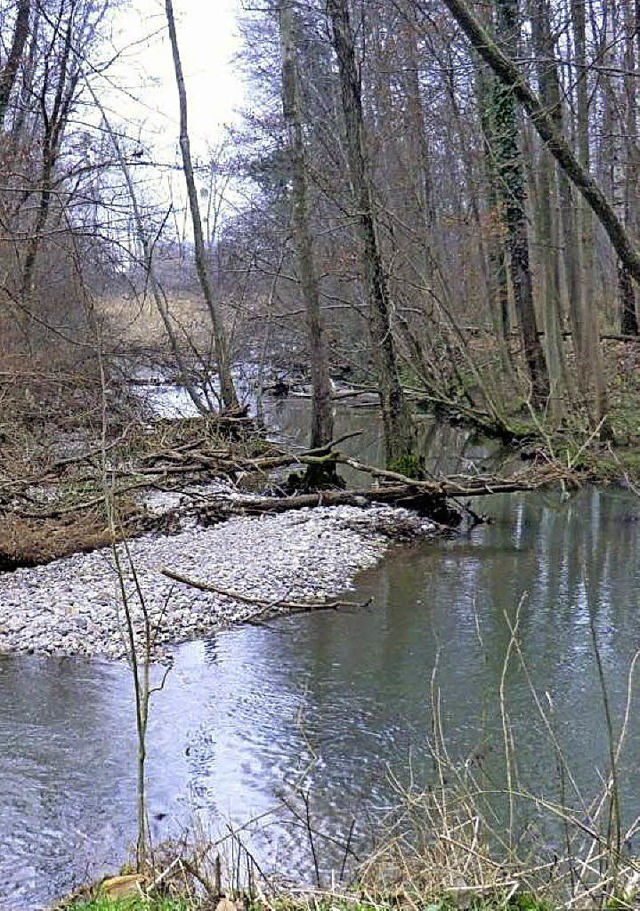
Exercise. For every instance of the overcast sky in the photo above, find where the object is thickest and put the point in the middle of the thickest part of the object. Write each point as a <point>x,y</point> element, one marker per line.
<point>208,38</point>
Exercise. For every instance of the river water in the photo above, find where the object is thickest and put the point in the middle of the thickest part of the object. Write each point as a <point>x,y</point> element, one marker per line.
<point>334,704</point>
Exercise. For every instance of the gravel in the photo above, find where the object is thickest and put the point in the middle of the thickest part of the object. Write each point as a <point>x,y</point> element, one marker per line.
<point>74,606</point>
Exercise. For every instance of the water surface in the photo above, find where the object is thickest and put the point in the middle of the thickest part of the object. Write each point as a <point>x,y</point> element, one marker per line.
<point>332,701</point>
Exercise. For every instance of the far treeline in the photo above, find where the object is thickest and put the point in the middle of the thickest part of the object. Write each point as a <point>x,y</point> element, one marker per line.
<point>436,199</point>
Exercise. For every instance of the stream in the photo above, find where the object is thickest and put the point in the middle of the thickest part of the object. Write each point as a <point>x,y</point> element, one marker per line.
<point>335,703</point>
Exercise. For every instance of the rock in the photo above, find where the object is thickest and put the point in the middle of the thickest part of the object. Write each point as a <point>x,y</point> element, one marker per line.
<point>293,556</point>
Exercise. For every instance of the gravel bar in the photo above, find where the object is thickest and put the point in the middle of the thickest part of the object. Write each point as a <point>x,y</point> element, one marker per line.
<point>74,606</point>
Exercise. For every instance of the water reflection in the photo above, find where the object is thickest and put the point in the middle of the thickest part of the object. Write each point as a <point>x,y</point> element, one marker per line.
<point>333,700</point>
<point>447,449</point>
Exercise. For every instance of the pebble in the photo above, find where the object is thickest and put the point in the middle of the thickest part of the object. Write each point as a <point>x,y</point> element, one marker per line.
<point>75,606</point>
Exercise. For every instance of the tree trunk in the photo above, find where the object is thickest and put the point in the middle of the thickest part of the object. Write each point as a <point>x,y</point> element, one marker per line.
<point>142,238</point>
<point>28,69</point>
<point>509,74</point>
<point>512,192</point>
<point>497,254</point>
<point>396,422</point>
<point>584,242</point>
<point>628,312</point>
<point>10,69</point>
<point>582,314</point>
<point>321,405</point>
<point>546,202</point>
<point>417,136</point>
<point>54,124</point>
<point>227,388</point>
<point>547,240</point>
<point>628,316</point>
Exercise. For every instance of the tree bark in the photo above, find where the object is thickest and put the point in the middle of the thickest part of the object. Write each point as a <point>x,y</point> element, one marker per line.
<point>497,254</point>
<point>628,316</point>
<point>582,315</point>
<point>584,245</point>
<point>54,122</point>
<point>321,405</point>
<point>396,422</point>
<point>546,198</point>
<point>10,69</point>
<point>509,74</point>
<point>512,192</point>
<point>628,311</point>
<point>227,388</point>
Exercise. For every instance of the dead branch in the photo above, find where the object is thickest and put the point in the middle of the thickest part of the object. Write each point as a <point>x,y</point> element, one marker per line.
<point>293,606</point>
<point>323,450</point>
<point>472,485</point>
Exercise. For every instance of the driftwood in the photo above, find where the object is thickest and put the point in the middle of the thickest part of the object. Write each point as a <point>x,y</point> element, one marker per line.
<point>472,485</point>
<point>399,494</point>
<point>185,456</point>
<point>426,497</point>
<point>170,469</point>
<point>278,604</point>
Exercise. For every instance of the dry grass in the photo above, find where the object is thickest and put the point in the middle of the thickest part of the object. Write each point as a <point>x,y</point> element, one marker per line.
<point>29,542</point>
<point>134,320</point>
<point>55,505</point>
<point>623,382</point>
<point>459,844</point>
<point>472,835</point>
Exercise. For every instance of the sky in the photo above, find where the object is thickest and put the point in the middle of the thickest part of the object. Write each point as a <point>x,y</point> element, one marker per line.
<point>140,95</point>
<point>208,39</point>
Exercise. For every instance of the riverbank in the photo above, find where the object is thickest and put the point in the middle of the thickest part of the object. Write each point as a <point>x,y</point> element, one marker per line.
<point>58,508</point>
<point>311,901</point>
<point>241,714</point>
<point>75,606</point>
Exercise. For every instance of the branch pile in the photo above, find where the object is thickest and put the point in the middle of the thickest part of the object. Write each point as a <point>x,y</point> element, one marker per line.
<point>59,505</point>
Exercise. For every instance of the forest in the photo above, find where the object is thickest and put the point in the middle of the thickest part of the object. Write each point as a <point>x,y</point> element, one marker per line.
<point>435,200</point>
<point>243,375</point>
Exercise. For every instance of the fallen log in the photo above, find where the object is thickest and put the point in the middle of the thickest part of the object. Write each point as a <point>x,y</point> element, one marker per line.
<point>442,514</point>
<point>435,498</point>
<point>358,497</point>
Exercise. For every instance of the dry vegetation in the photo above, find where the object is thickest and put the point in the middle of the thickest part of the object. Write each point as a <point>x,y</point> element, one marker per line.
<point>71,424</point>
<point>135,321</point>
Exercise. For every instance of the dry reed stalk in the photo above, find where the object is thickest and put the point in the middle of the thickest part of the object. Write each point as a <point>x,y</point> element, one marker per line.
<point>447,839</point>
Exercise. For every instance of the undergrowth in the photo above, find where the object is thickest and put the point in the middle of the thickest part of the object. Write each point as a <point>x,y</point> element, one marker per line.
<point>133,903</point>
<point>309,903</point>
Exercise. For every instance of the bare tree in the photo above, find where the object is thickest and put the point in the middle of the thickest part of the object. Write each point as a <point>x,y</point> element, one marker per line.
<point>397,429</point>
<point>509,74</point>
<point>512,194</point>
<point>631,151</point>
<point>10,68</point>
<point>227,387</point>
<point>322,411</point>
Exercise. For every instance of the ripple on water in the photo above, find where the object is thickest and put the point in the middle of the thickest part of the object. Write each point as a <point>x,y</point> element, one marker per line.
<point>330,700</point>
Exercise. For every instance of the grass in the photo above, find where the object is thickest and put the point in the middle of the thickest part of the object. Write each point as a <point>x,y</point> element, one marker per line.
<point>310,903</point>
<point>133,903</point>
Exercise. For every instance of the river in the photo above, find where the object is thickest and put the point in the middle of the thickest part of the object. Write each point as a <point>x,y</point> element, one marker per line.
<point>334,702</point>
